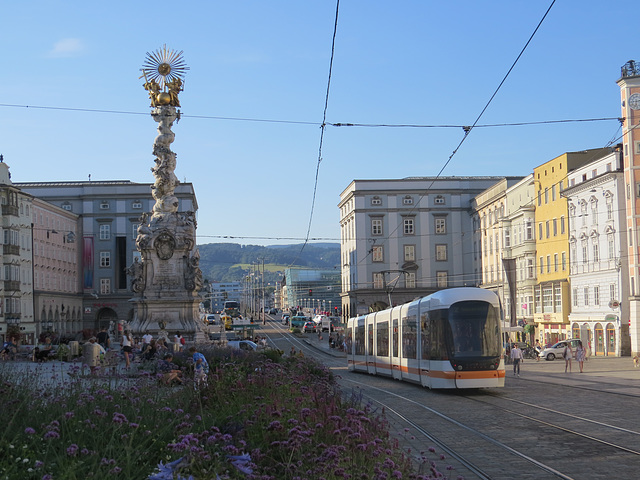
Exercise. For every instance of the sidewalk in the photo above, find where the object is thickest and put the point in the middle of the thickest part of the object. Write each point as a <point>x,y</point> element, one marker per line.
<point>605,373</point>
<point>322,345</point>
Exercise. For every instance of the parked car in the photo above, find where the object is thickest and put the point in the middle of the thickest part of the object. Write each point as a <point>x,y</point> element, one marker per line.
<point>309,327</point>
<point>273,311</point>
<point>557,350</point>
<point>247,345</point>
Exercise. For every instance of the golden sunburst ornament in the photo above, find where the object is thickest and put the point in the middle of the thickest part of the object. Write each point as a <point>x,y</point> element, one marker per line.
<point>164,66</point>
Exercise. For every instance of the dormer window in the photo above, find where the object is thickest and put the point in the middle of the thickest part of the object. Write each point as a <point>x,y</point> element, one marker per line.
<point>136,204</point>
<point>376,200</point>
<point>104,205</point>
<point>439,200</point>
<point>407,200</point>
<point>66,206</point>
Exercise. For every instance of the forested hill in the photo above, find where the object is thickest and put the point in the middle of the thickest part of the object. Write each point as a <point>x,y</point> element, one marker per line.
<point>231,262</point>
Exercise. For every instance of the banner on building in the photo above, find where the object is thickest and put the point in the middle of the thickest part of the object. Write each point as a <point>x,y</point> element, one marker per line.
<point>87,262</point>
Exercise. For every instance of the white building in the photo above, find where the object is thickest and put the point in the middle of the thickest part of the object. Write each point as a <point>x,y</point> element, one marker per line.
<point>598,265</point>
<point>406,238</point>
<point>16,296</point>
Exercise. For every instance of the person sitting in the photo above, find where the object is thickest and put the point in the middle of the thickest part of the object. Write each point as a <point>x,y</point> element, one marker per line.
<point>150,351</point>
<point>170,372</point>
<point>44,351</point>
<point>9,349</point>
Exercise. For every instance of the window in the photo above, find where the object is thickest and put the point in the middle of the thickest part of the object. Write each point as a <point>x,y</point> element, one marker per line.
<point>442,279</point>
<point>105,231</point>
<point>408,226</point>
<point>539,197</point>
<point>441,253</point>
<point>540,231</point>
<point>439,200</point>
<point>547,299</point>
<point>134,231</point>
<point>548,263</point>
<point>562,225</point>
<point>378,280</point>
<point>555,227</point>
<point>407,200</point>
<point>507,238</point>
<point>104,205</point>
<point>409,253</point>
<point>376,226</point>
<point>105,286</point>
<point>531,268</point>
<point>555,262</point>
<point>441,225</point>
<point>585,253</point>
<point>558,298</point>
<point>596,253</point>
<point>66,206</point>
<point>546,195</point>
<point>553,192</point>
<point>609,210</point>
<point>612,291</point>
<point>410,279</point>
<point>586,296</point>
<point>564,261</point>
<point>376,201</point>
<point>596,295</point>
<point>575,297</point>
<point>378,253</point>
<point>611,244</point>
<point>105,259</point>
<point>541,265</point>
<point>547,228</point>
<point>528,225</point>
<point>136,204</point>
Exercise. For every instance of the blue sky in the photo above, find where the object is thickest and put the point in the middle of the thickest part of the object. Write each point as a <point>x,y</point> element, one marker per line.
<point>403,62</point>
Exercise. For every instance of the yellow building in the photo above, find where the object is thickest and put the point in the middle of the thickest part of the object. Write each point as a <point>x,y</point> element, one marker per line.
<point>552,292</point>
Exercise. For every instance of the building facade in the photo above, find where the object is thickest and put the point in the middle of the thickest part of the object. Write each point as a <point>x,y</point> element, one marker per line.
<point>109,214</point>
<point>311,289</point>
<point>16,295</point>
<point>629,84</point>
<point>551,293</point>
<point>406,238</point>
<point>597,267</point>
<point>56,269</point>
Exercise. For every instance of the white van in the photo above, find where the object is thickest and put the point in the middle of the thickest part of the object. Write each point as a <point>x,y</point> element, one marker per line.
<point>247,345</point>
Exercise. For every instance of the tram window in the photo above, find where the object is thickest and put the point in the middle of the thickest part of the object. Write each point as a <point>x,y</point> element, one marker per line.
<point>474,325</point>
<point>382,339</point>
<point>437,325</point>
<point>425,335</point>
<point>359,340</point>
<point>370,338</point>
<point>395,337</point>
<point>409,337</point>
<point>349,340</point>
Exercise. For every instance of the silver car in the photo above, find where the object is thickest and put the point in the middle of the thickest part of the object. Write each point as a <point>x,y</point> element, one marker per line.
<point>557,350</point>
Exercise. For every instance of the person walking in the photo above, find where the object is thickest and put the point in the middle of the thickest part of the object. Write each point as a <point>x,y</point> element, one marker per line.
<point>127,347</point>
<point>568,356</point>
<point>581,354</point>
<point>103,338</point>
<point>516,356</point>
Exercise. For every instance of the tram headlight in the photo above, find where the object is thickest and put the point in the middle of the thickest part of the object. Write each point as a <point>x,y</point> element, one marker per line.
<point>459,367</point>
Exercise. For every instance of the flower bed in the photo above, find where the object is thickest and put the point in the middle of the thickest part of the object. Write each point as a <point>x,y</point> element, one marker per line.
<point>260,416</point>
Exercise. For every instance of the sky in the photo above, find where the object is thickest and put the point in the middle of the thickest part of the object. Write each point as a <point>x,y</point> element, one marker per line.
<point>255,93</point>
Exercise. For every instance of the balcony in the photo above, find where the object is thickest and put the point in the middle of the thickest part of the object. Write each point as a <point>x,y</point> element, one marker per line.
<point>10,249</point>
<point>630,69</point>
<point>12,285</point>
<point>10,210</point>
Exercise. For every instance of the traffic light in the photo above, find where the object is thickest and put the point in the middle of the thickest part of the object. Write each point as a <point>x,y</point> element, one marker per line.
<point>310,292</point>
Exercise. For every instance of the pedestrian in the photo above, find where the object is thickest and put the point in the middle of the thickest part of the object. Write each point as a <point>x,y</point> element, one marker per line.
<point>538,350</point>
<point>179,340</point>
<point>146,340</point>
<point>127,347</point>
<point>200,366</point>
<point>170,372</point>
<point>568,356</point>
<point>103,338</point>
<point>581,354</point>
<point>516,356</point>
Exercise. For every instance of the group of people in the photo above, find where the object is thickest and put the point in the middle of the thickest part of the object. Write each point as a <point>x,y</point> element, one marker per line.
<point>517,357</point>
<point>149,348</point>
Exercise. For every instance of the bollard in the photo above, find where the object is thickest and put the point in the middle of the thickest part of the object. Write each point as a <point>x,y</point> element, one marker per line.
<point>74,348</point>
<point>91,354</point>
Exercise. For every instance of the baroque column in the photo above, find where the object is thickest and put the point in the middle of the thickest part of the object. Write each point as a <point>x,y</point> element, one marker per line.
<point>167,279</point>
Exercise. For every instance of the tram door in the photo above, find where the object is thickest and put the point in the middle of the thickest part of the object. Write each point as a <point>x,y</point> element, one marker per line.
<point>395,347</point>
<point>371,358</point>
<point>425,342</point>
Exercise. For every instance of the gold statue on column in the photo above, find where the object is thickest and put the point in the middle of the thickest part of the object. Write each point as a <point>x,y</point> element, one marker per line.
<point>163,72</point>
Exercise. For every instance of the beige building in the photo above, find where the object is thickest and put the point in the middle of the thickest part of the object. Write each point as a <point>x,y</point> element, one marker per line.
<point>56,269</point>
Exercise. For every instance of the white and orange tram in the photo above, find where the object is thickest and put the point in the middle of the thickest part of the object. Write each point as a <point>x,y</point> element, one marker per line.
<point>450,339</point>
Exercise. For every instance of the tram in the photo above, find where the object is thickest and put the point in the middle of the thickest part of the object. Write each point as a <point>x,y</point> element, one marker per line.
<point>450,339</point>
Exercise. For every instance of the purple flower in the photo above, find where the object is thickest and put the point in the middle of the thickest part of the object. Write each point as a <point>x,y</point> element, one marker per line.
<point>39,464</point>
<point>72,450</point>
<point>51,434</point>
<point>47,477</point>
<point>69,415</point>
<point>29,431</point>
<point>241,462</point>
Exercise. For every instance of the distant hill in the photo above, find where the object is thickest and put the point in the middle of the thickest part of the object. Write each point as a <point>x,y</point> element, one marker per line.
<point>231,262</point>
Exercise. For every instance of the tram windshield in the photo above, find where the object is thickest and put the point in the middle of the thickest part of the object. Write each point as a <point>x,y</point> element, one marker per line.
<point>475,329</point>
